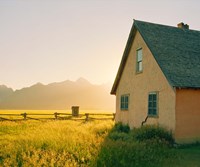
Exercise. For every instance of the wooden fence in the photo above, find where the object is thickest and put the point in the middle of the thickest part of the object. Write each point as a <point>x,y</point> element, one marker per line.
<point>56,116</point>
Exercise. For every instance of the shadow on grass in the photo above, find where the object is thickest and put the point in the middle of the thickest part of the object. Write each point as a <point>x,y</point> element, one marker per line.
<point>91,143</point>
<point>148,146</point>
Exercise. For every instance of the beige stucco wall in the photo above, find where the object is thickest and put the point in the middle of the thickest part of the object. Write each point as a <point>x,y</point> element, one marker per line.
<point>187,115</point>
<point>138,87</point>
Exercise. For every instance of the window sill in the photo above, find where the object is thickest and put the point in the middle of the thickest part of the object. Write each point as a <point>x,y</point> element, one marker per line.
<point>153,116</point>
<point>139,72</point>
<point>123,110</point>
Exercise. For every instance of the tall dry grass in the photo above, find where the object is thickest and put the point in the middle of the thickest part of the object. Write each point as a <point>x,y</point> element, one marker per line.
<point>51,143</point>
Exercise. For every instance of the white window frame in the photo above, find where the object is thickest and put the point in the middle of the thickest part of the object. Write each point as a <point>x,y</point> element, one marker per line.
<point>139,58</point>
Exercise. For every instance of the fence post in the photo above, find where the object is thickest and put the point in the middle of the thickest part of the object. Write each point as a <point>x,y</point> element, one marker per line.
<point>24,115</point>
<point>86,116</point>
<point>56,115</point>
<point>113,116</point>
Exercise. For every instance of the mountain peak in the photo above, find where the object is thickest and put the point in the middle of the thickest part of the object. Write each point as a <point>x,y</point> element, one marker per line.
<point>82,81</point>
<point>37,84</point>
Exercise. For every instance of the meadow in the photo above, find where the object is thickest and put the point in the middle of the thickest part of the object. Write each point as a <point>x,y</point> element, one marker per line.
<point>96,143</point>
<point>51,143</point>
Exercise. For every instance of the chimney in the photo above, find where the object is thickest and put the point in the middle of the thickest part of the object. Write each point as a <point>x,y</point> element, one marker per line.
<point>183,26</point>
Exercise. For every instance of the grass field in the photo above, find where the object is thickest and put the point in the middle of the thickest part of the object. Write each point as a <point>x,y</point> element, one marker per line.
<point>51,143</point>
<point>78,143</point>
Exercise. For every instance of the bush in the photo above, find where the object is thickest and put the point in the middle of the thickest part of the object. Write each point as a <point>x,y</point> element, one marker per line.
<point>119,127</point>
<point>119,136</point>
<point>120,132</point>
<point>137,154</point>
<point>156,133</point>
<point>147,146</point>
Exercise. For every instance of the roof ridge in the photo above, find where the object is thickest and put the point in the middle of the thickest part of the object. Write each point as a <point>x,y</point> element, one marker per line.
<point>164,25</point>
<point>146,22</point>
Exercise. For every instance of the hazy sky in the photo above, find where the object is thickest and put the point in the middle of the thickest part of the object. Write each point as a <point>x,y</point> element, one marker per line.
<point>55,40</point>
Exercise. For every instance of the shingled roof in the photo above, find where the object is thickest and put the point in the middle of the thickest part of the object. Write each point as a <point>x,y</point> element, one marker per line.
<point>176,50</point>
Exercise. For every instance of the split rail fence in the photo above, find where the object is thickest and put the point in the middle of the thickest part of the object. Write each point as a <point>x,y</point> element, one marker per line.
<point>56,116</point>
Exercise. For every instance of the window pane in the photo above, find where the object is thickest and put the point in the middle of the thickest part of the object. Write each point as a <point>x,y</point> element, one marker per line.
<point>139,55</point>
<point>150,98</point>
<point>154,104</point>
<point>140,66</point>
<point>150,104</point>
<point>154,97</point>
<point>150,111</point>
<point>126,99</point>
<point>122,102</point>
<point>126,106</point>
<point>122,99</point>
<point>154,112</point>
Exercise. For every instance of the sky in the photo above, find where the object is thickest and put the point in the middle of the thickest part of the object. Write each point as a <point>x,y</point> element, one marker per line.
<point>56,40</point>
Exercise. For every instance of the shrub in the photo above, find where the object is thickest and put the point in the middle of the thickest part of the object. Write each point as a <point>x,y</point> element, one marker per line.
<point>147,146</point>
<point>156,133</point>
<point>119,127</point>
<point>119,136</point>
<point>131,153</point>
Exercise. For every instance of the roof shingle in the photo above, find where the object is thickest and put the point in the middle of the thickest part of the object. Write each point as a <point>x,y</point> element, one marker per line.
<point>176,50</point>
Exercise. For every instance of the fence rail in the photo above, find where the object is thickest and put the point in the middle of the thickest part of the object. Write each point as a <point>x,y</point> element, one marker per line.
<point>56,116</point>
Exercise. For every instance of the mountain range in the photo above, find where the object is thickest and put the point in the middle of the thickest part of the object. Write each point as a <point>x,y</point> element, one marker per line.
<point>58,95</point>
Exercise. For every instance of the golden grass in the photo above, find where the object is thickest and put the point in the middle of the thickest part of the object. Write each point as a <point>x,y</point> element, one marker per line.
<point>51,143</point>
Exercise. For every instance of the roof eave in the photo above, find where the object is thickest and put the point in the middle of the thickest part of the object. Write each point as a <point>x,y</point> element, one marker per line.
<point>124,59</point>
<point>186,87</point>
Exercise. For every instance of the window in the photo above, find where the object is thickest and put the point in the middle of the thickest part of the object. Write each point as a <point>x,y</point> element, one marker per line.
<point>139,60</point>
<point>153,104</point>
<point>124,102</point>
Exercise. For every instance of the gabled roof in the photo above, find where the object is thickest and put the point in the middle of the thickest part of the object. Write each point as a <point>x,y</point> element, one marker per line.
<point>176,50</point>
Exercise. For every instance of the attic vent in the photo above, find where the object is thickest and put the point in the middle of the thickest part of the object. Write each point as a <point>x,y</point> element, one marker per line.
<point>183,26</point>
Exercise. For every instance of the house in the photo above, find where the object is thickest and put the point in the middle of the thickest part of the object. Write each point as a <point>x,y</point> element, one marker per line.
<point>158,80</point>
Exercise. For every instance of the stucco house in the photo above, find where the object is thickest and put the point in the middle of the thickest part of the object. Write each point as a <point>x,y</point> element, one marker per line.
<point>158,80</point>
